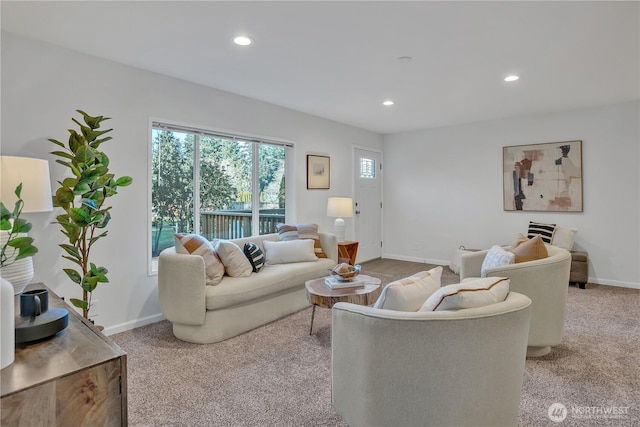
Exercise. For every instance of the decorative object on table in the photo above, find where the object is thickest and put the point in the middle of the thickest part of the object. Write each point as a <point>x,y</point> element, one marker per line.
<point>348,252</point>
<point>26,187</point>
<point>82,198</point>
<point>318,172</point>
<point>339,208</point>
<point>345,272</point>
<point>543,177</point>
<point>36,320</point>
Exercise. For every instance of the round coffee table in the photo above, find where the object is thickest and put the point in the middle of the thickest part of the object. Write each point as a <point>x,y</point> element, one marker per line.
<point>320,295</point>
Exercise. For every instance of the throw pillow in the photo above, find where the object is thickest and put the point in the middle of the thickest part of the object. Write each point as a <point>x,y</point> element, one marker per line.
<point>289,251</point>
<point>496,257</point>
<point>289,232</point>
<point>410,293</point>
<point>528,249</point>
<point>564,237</point>
<point>470,294</point>
<point>235,262</point>
<point>544,230</point>
<point>197,245</point>
<point>254,255</point>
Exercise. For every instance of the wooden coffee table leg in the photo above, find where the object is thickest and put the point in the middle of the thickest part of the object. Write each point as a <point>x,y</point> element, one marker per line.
<point>313,313</point>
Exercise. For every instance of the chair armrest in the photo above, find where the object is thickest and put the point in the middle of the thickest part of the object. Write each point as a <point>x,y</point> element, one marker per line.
<point>329,244</point>
<point>181,287</point>
<point>471,264</point>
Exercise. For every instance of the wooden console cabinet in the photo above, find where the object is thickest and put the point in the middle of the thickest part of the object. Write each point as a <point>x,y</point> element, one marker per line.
<point>76,378</point>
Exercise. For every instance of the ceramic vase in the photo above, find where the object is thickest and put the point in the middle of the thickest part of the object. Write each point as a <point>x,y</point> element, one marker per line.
<point>7,324</point>
<point>18,273</point>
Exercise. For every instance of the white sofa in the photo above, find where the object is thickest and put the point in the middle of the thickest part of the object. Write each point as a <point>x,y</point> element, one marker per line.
<point>545,281</point>
<point>430,368</point>
<point>207,314</point>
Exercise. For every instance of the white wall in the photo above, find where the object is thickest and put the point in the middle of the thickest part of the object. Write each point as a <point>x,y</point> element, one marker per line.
<point>444,186</point>
<point>43,85</point>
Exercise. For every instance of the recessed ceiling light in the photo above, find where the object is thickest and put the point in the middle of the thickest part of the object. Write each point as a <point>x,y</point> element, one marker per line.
<point>243,40</point>
<point>511,78</point>
<point>388,103</point>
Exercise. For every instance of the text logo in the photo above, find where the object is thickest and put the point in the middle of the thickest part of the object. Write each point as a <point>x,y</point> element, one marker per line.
<point>557,412</point>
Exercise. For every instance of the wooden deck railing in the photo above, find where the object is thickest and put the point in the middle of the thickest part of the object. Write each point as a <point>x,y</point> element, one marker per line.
<point>237,224</point>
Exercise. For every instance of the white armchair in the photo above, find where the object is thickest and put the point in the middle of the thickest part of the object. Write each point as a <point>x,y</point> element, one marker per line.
<point>442,368</point>
<point>545,281</point>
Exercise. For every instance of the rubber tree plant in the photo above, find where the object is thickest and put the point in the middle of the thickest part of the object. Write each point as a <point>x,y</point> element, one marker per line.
<point>14,226</point>
<point>82,197</point>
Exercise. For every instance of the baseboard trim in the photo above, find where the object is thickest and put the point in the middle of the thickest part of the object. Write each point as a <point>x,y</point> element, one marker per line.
<point>122,327</point>
<point>617,283</point>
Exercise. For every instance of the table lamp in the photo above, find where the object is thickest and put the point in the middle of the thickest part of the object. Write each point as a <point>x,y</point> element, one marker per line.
<point>339,208</point>
<point>36,195</point>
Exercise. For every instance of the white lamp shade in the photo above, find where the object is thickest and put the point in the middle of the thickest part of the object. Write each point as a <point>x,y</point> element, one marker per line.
<point>36,185</point>
<point>340,207</point>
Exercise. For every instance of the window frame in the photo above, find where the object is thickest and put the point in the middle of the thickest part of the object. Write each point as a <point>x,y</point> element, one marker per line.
<point>172,125</point>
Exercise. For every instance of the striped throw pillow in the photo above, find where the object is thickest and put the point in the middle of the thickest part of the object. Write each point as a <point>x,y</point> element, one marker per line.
<point>302,231</point>
<point>195,244</point>
<point>544,230</point>
<point>254,255</point>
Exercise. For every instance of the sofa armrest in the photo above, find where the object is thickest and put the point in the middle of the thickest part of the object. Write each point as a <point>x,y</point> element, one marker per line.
<point>329,244</point>
<point>181,287</point>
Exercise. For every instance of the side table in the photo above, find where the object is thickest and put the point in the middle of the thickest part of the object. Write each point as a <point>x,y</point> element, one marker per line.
<point>77,377</point>
<point>320,295</point>
<point>347,252</point>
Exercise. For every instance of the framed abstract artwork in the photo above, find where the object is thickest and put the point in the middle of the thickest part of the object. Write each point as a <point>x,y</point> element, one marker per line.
<point>317,172</point>
<point>543,177</point>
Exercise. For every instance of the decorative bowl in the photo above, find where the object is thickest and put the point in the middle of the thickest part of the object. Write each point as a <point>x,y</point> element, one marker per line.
<point>345,276</point>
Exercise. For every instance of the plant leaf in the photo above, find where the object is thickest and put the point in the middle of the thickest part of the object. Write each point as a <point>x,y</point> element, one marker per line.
<point>123,181</point>
<point>73,275</point>
<point>79,303</point>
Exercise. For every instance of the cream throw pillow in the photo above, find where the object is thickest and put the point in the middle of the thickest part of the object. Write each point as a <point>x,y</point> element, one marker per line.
<point>564,237</point>
<point>197,245</point>
<point>235,262</point>
<point>496,257</point>
<point>288,232</point>
<point>289,251</point>
<point>410,293</point>
<point>469,294</point>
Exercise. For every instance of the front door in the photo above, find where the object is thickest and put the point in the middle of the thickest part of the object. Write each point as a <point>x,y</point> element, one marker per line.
<point>368,203</point>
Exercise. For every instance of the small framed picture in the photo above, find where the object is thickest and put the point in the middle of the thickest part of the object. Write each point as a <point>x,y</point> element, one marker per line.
<point>317,172</point>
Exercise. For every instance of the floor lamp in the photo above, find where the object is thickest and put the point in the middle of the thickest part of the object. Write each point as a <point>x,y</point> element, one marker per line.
<point>339,208</point>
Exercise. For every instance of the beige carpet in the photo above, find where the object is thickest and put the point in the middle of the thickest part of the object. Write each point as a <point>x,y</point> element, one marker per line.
<point>278,375</point>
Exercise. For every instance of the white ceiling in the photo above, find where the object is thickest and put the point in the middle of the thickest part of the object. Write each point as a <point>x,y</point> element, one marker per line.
<point>338,60</point>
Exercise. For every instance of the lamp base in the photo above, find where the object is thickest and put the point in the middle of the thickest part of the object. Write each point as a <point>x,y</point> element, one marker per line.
<point>338,229</point>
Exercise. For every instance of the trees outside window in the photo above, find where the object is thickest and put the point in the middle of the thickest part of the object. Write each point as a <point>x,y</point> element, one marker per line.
<point>229,202</point>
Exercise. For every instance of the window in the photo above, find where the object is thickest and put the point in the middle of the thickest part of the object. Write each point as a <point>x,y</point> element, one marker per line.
<point>367,168</point>
<point>240,185</point>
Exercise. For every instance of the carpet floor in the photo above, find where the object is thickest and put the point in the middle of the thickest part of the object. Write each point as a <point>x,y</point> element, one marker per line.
<point>279,375</point>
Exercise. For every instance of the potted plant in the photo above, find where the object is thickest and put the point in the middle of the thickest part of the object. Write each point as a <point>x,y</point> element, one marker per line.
<point>15,243</point>
<point>82,197</point>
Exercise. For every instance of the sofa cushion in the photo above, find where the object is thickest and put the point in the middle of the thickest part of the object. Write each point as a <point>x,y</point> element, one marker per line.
<point>469,294</point>
<point>271,280</point>
<point>289,251</point>
<point>289,232</point>
<point>528,249</point>
<point>496,257</point>
<point>254,255</point>
<point>410,293</point>
<point>235,262</point>
<point>563,237</point>
<point>544,230</point>
<point>195,244</point>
